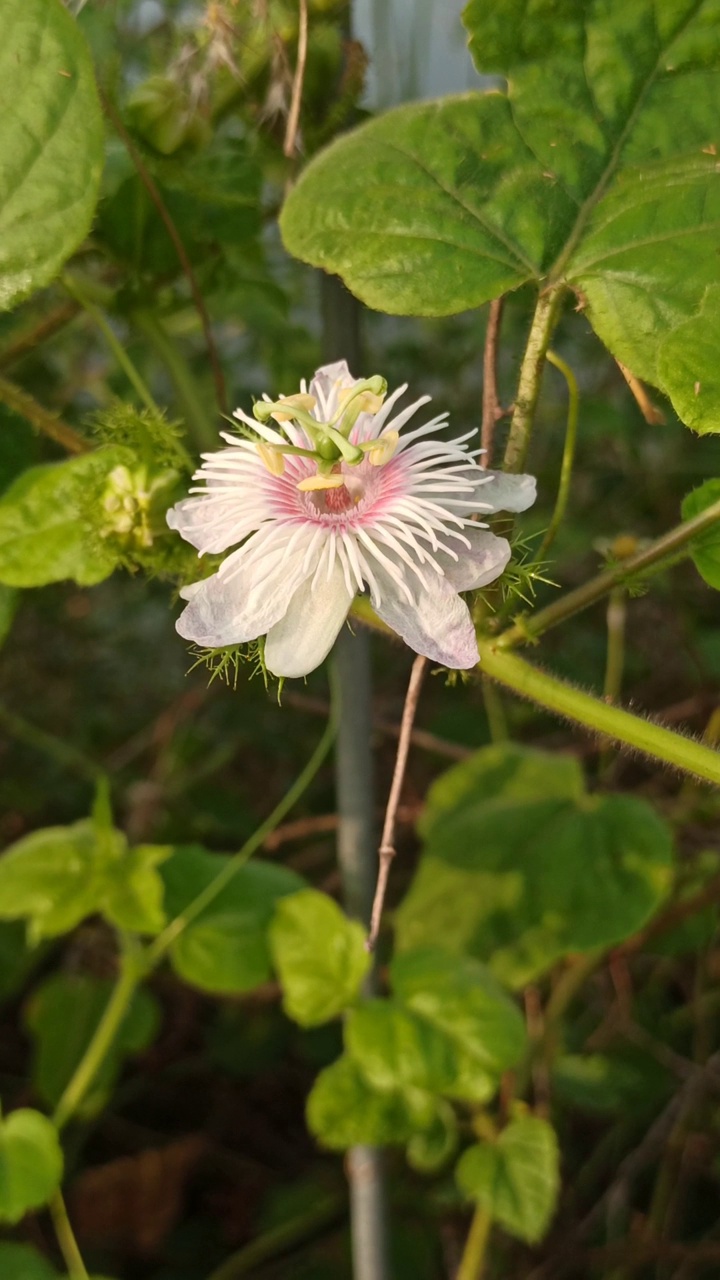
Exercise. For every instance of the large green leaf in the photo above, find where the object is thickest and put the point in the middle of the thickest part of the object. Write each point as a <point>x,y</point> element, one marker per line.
<point>515,1178</point>
<point>688,366</point>
<point>45,530</point>
<point>520,884</point>
<point>225,947</point>
<point>320,956</point>
<point>51,142</point>
<point>63,1015</point>
<point>31,1163</point>
<point>598,167</point>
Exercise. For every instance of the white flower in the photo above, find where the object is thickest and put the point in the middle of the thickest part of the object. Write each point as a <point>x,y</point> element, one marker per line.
<point>334,502</point>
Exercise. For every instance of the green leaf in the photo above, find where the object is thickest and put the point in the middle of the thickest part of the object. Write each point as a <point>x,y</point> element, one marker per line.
<point>133,890</point>
<point>63,1015</point>
<point>225,948</point>
<point>689,369</point>
<point>53,877</point>
<point>462,1000</point>
<point>516,1178</point>
<point>45,534</point>
<point>395,1049</point>
<point>598,168</point>
<point>519,885</point>
<point>344,1110</point>
<point>20,1262</point>
<point>430,1149</point>
<point>508,769</point>
<point>31,1163</point>
<point>705,548</point>
<point>51,141</point>
<point>320,957</point>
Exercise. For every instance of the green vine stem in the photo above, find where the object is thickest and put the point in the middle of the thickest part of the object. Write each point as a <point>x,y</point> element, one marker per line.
<point>472,1263</point>
<point>164,941</point>
<point>132,970</point>
<point>199,420</point>
<point>66,1239</point>
<point>598,717</point>
<point>117,348</point>
<point>568,458</point>
<point>138,961</point>
<point>541,330</point>
<point>670,544</point>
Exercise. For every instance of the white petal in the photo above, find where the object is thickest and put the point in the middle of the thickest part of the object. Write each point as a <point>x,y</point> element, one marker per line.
<point>504,492</point>
<point>326,378</point>
<point>482,563</point>
<point>300,641</point>
<point>436,623</point>
<point>244,601</point>
<point>214,524</point>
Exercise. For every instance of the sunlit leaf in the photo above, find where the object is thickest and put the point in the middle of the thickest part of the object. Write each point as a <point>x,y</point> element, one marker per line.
<point>320,956</point>
<point>31,1163</point>
<point>516,1178</point>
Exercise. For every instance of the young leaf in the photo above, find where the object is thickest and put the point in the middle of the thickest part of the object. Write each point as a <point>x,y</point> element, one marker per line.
<point>31,1163</point>
<point>51,141</point>
<point>344,1110</point>
<point>705,548</point>
<point>225,948</point>
<point>63,1015</point>
<point>44,531</point>
<point>320,957</point>
<point>133,890</point>
<point>53,877</point>
<point>462,1000</point>
<point>516,1178</point>
<point>395,1049</point>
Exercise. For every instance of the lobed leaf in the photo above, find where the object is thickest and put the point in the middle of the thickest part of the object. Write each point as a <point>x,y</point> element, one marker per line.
<point>320,957</point>
<point>516,1178</point>
<point>31,1163</point>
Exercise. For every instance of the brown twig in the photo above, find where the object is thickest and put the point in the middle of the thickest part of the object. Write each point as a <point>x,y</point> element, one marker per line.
<point>44,329</point>
<point>650,412</point>
<point>491,410</point>
<point>22,403</point>
<point>152,189</point>
<point>386,852</point>
<point>293,120</point>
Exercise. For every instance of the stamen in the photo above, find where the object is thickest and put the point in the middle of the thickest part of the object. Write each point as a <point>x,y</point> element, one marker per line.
<point>321,482</point>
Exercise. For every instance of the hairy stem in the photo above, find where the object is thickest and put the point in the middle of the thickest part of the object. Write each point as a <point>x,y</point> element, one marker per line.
<point>66,1239</point>
<point>47,423</point>
<point>541,329</point>
<point>598,717</point>
<point>472,1263</point>
<point>676,540</point>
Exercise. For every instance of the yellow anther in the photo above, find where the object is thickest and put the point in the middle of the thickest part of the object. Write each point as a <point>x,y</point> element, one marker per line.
<point>271,458</point>
<point>317,481</point>
<point>299,401</point>
<point>383,448</point>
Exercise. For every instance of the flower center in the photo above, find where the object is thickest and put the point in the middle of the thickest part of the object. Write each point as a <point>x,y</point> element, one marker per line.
<point>339,499</point>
